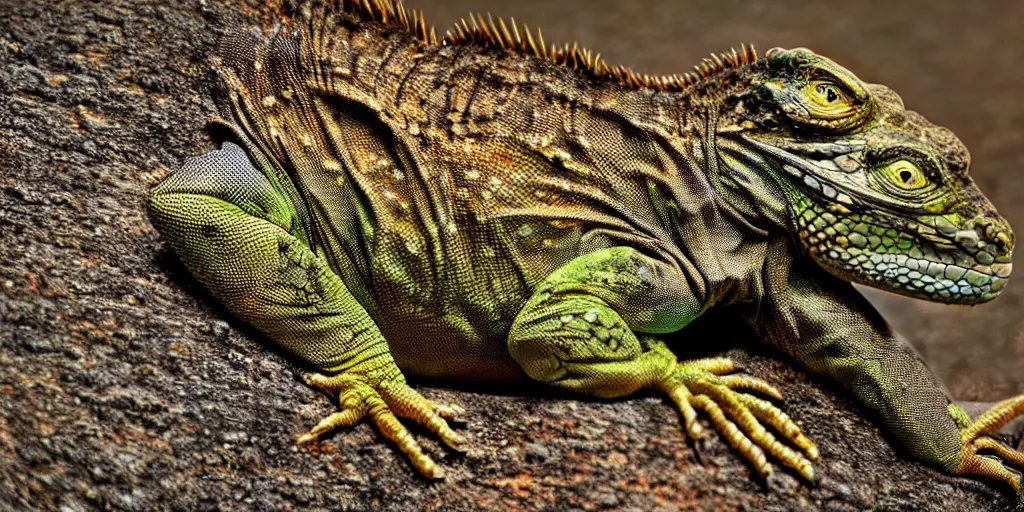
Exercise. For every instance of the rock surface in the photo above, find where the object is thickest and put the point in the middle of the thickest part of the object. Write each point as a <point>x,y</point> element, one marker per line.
<point>124,387</point>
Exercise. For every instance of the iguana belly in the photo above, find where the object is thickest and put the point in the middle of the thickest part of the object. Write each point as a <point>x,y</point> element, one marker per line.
<point>427,345</point>
<point>446,304</point>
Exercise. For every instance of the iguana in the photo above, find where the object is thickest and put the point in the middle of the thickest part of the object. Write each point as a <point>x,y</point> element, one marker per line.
<point>487,208</point>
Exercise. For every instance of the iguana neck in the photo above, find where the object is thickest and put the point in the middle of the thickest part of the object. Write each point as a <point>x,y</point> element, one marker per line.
<point>744,188</point>
<point>747,185</point>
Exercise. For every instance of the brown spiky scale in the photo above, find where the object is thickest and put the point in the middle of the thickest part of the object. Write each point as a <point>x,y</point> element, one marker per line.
<point>491,33</point>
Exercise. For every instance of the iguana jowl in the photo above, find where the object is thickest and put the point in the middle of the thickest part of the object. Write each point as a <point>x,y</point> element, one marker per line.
<point>487,208</point>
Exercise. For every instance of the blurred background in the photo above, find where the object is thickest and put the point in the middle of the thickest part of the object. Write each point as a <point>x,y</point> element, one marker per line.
<point>958,63</point>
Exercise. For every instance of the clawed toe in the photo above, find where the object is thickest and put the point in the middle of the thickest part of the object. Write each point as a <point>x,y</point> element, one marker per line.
<point>699,385</point>
<point>448,411</point>
<point>983,456</point>
<point>999,467</point>
<point>385,403</point>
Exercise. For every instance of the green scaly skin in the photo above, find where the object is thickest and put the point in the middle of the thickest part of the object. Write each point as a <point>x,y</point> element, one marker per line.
<point>465,212</point>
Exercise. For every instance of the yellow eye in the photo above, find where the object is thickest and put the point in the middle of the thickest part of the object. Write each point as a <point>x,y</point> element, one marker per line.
<point>905,175</point>
<point>826,94</point>
<point>826,100</point>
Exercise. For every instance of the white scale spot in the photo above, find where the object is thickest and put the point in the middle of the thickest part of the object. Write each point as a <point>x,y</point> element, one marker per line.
<point>643,273</point>
<point>811,182</point>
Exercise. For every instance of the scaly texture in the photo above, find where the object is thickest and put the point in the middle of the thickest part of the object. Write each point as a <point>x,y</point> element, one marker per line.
<point>484,209</point>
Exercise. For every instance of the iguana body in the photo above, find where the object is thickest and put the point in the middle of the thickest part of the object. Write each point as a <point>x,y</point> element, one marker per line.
<point>483,210</point>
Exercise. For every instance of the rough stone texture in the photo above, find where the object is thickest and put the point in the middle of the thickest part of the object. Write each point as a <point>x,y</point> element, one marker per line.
<point>124,387</point>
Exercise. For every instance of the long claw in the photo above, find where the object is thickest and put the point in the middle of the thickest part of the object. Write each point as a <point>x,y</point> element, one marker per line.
<point>977,465</point>
<point>732,404</point>
<point>748,383</point>
<point>1007,454</point>
<point>975,438</point>
<point>353,408</point>
<point>407,403</point>
<point>697,385</point>
<point>336,420</point>
<point>681,396</point>
<point>394,431</point>
<point>384,403</point>
<point>781,422</point>
<point>733,435</point>
<point>448,411</point>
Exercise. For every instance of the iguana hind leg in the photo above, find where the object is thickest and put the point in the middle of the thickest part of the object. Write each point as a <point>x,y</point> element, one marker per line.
<point>236,232</point>
<point>569,335</point>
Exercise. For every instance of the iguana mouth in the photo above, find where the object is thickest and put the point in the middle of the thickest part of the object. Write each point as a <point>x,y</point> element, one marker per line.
<point>862,235</point>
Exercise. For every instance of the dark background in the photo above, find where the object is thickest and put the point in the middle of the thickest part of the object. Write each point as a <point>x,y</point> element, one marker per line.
<point>124,387</point>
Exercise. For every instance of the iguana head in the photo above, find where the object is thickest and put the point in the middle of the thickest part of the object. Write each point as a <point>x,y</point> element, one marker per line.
<point>874,193</point>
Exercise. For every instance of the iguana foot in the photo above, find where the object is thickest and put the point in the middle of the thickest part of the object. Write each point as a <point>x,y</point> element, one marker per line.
<point>1004,464</point>
<point>384,404</point>
<point>703,384</point>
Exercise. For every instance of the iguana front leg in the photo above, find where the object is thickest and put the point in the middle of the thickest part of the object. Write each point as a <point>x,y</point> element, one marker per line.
<point>238,234</point>
<point>577,332</point>
<point>826,324</point>
<point>975,437</point>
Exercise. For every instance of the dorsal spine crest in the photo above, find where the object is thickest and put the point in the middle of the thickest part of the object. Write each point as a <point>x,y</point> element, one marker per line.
<point>491,33</point>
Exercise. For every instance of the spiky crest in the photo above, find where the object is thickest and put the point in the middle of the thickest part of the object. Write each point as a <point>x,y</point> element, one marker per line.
<point>497,34</point>
<point>392,14</point>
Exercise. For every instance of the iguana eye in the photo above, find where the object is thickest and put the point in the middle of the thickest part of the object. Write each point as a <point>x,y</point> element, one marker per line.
<point>826,100</point>
<point>828,92</point>
<point>905,176</point>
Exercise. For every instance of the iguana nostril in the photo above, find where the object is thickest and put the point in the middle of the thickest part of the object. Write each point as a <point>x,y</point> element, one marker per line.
<point>1002,241</point>
<point>992,232</point>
